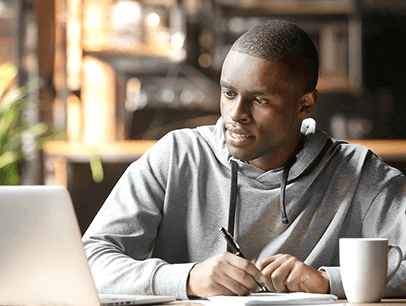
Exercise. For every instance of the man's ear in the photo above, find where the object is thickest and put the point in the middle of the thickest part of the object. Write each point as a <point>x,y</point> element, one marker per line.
<point>307,103</point>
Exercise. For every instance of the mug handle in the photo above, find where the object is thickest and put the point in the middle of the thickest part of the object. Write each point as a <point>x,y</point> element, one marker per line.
<point>390,247</point>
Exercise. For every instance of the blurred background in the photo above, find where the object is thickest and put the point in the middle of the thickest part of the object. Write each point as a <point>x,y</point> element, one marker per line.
<point>110,77</point>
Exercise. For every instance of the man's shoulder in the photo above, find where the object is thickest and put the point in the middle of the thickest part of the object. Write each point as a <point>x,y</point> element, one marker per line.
<point>361,157</point>
<point>349,148</point>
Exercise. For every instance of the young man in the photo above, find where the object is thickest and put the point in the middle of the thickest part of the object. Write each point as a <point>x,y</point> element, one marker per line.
<point>285,190</point>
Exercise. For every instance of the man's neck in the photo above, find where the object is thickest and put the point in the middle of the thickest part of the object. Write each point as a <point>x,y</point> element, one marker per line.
<point>278,157</point>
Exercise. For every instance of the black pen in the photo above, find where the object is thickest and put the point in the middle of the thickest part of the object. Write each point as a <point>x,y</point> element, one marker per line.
<point>237,251</point>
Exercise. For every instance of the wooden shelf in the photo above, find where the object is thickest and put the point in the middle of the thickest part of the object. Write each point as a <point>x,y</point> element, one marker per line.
<point>117,151</point>
<point>336,84</point>
<point>387,149</point>
<point>144,59</point>
<point>145,50</point>
<point>128,151</point>
<point>294,7</point>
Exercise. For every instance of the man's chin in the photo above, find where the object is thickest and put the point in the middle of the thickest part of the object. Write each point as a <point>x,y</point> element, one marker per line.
<point>239,154</point>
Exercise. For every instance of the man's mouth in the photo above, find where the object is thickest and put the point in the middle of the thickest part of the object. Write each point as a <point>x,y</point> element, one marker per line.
<point>237,136</point>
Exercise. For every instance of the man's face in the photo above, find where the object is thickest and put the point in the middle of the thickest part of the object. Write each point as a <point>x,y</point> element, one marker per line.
<point>260,110</point>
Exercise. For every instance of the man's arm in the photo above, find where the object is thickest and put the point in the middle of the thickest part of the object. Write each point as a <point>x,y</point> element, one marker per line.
<point>123,233</point>
<point>386,218</point>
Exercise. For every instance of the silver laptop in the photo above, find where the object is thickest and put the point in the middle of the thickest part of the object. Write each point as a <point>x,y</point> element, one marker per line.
<point>42,260</point>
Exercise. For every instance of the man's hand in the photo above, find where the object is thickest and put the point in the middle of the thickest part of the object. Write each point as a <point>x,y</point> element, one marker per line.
<point>224,274</point>
<point>285,273</point>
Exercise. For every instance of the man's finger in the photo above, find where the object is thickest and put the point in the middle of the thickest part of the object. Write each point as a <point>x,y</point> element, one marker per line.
<point>268,271</point>
<point>278,271</point>
<point>262,263</point>
<point>231,284</point>
<point>248,267</point>
<point>295,280</point>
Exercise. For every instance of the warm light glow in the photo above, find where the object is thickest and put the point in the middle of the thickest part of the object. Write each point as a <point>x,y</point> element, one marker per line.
<point>153,19</point>
<point>74,124</point>
<point>58,114</point>
<point>133,92</point>
<point>164,37</point>
<point>125,13</point>
<point>98,100</point>
<point>2,7</point>
<point>125,21</point>
<point>177,40</point>
<point>74,49</point>
<point>178,56</point>
<point>96,24</point>
<point>204,60</point>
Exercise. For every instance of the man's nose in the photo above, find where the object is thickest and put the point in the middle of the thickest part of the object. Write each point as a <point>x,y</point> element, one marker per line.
<point>240,111</point>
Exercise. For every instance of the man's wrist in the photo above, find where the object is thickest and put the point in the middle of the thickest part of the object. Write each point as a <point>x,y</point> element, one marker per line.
<point>334,276</point>
<point>189,287</point>
<point>324,275</point>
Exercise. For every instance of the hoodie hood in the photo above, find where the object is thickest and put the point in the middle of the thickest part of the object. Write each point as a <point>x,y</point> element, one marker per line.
<point>314,140</point>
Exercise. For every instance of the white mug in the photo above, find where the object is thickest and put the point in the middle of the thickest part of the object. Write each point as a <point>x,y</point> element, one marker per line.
<point>364,265</point>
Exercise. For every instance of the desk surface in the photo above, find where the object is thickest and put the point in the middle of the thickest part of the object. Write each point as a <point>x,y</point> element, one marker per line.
<point>392,302</point>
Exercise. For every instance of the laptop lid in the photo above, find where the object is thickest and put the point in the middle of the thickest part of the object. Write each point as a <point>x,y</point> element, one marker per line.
<point>42,260</point>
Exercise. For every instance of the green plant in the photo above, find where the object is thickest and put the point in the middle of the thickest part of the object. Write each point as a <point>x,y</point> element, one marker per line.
<point>14,126</point>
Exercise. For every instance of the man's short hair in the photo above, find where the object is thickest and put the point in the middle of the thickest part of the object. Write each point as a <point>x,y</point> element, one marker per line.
<point>283,42</point>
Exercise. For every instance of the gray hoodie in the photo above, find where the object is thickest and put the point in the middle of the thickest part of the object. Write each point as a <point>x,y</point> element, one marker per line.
<point>165,212</point>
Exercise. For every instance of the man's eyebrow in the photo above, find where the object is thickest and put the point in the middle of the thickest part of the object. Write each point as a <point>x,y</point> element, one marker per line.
<point>259,93</point>
<point>226,85</point>
<point>254,92</point>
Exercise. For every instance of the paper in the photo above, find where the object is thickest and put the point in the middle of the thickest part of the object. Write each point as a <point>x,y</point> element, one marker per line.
<point>297,298</point>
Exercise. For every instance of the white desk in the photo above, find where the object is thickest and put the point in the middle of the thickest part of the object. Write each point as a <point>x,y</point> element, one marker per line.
<point>384,302</point>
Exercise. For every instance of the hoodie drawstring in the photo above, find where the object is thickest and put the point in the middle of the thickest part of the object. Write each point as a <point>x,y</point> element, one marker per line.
<point>284,182</point>
<point>233,199</point>
<point>233,194</point>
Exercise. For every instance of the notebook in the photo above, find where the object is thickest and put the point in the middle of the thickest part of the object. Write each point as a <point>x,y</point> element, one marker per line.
<point>275,299</point>
<point>42,260</point>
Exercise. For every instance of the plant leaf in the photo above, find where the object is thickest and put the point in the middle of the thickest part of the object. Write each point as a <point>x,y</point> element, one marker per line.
<point>7,158</point>
<point>9,175</point>
<point>8,120</point>
<point>96,168</point>
<point>8,72</point>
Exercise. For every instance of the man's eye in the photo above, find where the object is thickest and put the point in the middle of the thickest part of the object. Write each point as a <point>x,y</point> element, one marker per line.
<point>260,101</point>
<point>229,94</point>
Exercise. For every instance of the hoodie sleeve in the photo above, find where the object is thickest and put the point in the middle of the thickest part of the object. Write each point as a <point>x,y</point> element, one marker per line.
<point>121,238</point>
<point>385,218</point>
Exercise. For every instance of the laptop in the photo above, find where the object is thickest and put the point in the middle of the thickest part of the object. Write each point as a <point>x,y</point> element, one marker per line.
<point>42,259</point>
